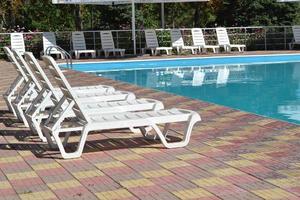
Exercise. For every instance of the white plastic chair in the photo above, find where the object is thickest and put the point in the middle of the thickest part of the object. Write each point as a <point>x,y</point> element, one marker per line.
<point>17,42</point>
<point>296,40</point>
<point>36,113</point>
<point>83,122</point>
<point>79,45</point>
<point>49,40</point>
<point>199,41</point>
<point>152,43</point>
<point>178,43</point>
<point>224,41</point>
<point>108,45</point>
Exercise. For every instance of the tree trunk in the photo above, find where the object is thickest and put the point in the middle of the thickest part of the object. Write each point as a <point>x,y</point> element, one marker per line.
<point>78,20</point>
<point>197,15</point>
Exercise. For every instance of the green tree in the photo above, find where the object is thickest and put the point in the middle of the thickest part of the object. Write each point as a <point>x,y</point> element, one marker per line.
<point>256,12</point>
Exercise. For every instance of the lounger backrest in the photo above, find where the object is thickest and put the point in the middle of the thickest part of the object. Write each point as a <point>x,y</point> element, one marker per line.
<point>68,95</point>
<point>107,40</point>
<point>26,69</point>
<point>198,37</point>
<point>222,35</point>
<point>49,40</point>
<point>151,38</point>
<point>296,32</point>
<point>78,40</point>
<point>17,42</point>
<point>13,60</point>
<point>38,71</point>
<point>176,37</point>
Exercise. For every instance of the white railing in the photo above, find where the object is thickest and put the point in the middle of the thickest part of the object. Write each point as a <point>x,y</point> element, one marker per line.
<point>256,38</point>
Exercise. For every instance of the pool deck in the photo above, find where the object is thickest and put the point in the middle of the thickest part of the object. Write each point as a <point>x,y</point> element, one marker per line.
<point>231,155</point>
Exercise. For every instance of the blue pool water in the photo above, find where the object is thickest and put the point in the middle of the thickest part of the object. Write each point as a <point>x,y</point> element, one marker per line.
<point>271,89</point>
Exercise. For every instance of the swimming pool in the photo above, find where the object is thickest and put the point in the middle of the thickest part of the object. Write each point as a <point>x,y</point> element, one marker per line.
<point>265,85</point>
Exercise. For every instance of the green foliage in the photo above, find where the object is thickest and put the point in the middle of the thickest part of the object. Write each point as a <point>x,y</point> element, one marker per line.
<point>44,16</point>
<point>256,13</point>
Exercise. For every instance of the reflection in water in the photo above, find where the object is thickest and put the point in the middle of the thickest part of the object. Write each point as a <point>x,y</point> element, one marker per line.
<point>267,89</point>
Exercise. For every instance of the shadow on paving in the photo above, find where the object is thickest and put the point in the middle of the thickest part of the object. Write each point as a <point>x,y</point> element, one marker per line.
<point>42,150</point>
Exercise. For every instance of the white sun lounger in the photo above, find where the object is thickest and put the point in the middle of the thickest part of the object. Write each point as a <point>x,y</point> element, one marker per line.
<point>32,86</point>
<point>108,45</point>
<point>36,112</point>
<point>199,41</point>
<point>79,45</point>
<point>49,40</point>
<point>83,122</point>
<point>152,43</point>
<point>178,43</point>
<point>224,41</point>
<point>296,40</point>
<point>17,42</point>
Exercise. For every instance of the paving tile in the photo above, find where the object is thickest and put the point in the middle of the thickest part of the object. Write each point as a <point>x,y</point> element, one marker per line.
<point>232,155</point>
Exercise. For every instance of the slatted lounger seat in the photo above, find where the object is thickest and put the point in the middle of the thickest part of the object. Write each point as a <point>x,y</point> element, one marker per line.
<point>199,41</point>
<point>36,112</point>
<point>224,41</point>
<point>84,122</point>
<point>108,45</point>
<point>79,45</point>
<point>152,43</point>
<point>178,43</point>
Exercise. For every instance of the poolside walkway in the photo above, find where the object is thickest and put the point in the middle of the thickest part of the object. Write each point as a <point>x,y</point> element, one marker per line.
<point>232,155</point>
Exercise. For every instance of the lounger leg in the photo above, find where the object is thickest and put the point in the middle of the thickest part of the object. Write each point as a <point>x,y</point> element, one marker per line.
<point>106,54</point>
<point>178,50</point>
<point>31,114</point>
<point>17,104</point>
<point>152,52</point>
<point>11,93</point>
<point>61,146</point>
<point>187,133</point>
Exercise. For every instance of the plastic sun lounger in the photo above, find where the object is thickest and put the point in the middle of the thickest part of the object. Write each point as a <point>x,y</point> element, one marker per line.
<point>79,45</point>
<point>108,45</point>
<point>49,40</point>
<point>224,41</point>
<point>178,43</point>
<point>84,122</point>
<point>17,42</point>
<point>87,94</point>
<point>36,113</point>
<point>296,40</point>
<point>199,41</point>
<point>152,43</point>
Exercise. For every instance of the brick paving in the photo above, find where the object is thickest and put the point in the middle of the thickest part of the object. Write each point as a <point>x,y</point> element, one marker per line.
<point>232,155</point>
